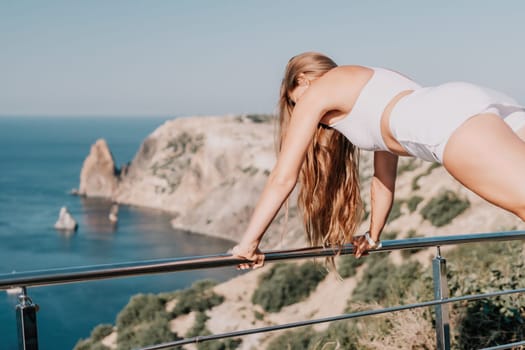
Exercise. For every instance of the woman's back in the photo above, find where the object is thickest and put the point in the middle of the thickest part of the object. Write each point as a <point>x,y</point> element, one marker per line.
<point>362,125</point>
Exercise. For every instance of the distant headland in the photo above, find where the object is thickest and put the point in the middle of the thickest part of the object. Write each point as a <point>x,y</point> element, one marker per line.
<point>207,171</point>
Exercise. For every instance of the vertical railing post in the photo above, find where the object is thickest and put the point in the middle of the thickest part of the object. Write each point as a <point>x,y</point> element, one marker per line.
<point>26,322</point>
<point>439,267</point>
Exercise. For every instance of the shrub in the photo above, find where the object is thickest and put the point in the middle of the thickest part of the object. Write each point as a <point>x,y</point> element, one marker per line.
<point>144,334</point>
<point>250,170</point>
<point>348,265</point>
<point>383,281</point>
<point>499,326</point>
<point>339,335</point>
<point>413,202</point>
<point>287,284</point>
<point>409,329</point>
<point>199,297</point>
<point>480,269</point>
<point>199,326</point>
<point>141,308</point>
<point>101,331</point>
<point>390,235</point>
<point>258,315</point>
<point>83,344</point>
<point>299,339</point>
<point>442,209</point>
<point>260,118</point>
<point>185,142</point>
<point>144,320</point>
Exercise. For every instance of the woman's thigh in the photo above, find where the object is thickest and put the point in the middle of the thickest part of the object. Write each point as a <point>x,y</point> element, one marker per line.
<point>486,156</point>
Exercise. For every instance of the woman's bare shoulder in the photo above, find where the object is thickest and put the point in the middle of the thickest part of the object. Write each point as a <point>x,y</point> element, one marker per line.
<point>339,87</point>
<point>348,79</point>
<point>353,71</point>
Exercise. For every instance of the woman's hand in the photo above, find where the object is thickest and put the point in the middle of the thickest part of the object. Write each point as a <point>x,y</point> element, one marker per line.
<point>361,246</point>
<point>255,256</point>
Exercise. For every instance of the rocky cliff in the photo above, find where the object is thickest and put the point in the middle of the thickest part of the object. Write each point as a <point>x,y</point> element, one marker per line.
<point>207,171</point>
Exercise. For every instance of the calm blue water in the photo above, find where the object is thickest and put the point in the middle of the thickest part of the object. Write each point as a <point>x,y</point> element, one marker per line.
<point>40,162</point>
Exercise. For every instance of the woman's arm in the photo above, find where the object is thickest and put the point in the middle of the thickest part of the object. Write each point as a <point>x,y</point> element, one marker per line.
<point>322,96</point>
<point>381,197</point>
<point>382,191</point>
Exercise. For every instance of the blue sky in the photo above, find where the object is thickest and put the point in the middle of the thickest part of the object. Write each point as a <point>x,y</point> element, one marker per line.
<point>198,57</point>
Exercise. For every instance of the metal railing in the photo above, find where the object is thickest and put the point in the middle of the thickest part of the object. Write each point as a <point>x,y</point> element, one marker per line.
<point>26,309</point>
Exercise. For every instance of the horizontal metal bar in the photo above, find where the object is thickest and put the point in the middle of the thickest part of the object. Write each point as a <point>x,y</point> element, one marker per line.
<point>505,346</point>
<point>199,339</point>
<point>137,268</point>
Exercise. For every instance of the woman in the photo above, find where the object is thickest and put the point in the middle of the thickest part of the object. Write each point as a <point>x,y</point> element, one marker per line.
<point>326,112</point>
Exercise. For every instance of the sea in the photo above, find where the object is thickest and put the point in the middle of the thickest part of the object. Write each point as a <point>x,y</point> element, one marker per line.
<point>40,162</point>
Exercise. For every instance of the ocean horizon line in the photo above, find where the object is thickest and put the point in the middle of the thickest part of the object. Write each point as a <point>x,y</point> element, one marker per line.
<point>124,115</point>
<point>72,116</point>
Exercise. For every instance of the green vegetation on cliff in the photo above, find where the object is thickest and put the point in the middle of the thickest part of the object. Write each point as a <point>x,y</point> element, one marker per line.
<point>472,269</point>
<point>442,209</point>
<point>287,284</point>
<point>145,320</point>
<point>339,335</point>
<point>481,268</point>
<point>200,297</point>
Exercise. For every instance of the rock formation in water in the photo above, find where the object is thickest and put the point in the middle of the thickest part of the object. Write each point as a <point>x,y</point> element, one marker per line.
<point>98,177</point>
<point>113,213</point>
<point>65,221</point>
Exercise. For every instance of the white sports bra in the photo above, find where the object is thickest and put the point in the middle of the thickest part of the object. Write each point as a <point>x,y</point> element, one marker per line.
<point>362,126</point>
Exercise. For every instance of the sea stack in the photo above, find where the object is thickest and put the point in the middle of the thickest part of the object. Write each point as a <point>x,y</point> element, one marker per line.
<point>113,213</point>
<point>98,177</point>
<point>65,221</point>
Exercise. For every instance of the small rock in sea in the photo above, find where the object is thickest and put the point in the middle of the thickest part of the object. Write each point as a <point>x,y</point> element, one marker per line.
<point>74,192</point>
<point>113,213</point>
<point>65,221</point>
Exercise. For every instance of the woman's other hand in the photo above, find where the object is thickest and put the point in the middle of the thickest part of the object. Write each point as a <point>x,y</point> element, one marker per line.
<point>254,255</point>
<point>361,246</point>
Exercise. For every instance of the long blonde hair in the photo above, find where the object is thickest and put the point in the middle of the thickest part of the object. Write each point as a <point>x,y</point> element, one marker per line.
<point>329,195</point>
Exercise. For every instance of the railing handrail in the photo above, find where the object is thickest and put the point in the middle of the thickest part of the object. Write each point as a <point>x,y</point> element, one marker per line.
<point>106,271</point>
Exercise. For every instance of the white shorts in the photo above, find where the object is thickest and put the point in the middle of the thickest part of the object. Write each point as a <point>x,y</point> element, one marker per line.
<point>423,121</point>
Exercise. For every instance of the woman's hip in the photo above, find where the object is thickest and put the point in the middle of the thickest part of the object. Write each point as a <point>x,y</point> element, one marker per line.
<point>423,121</point>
